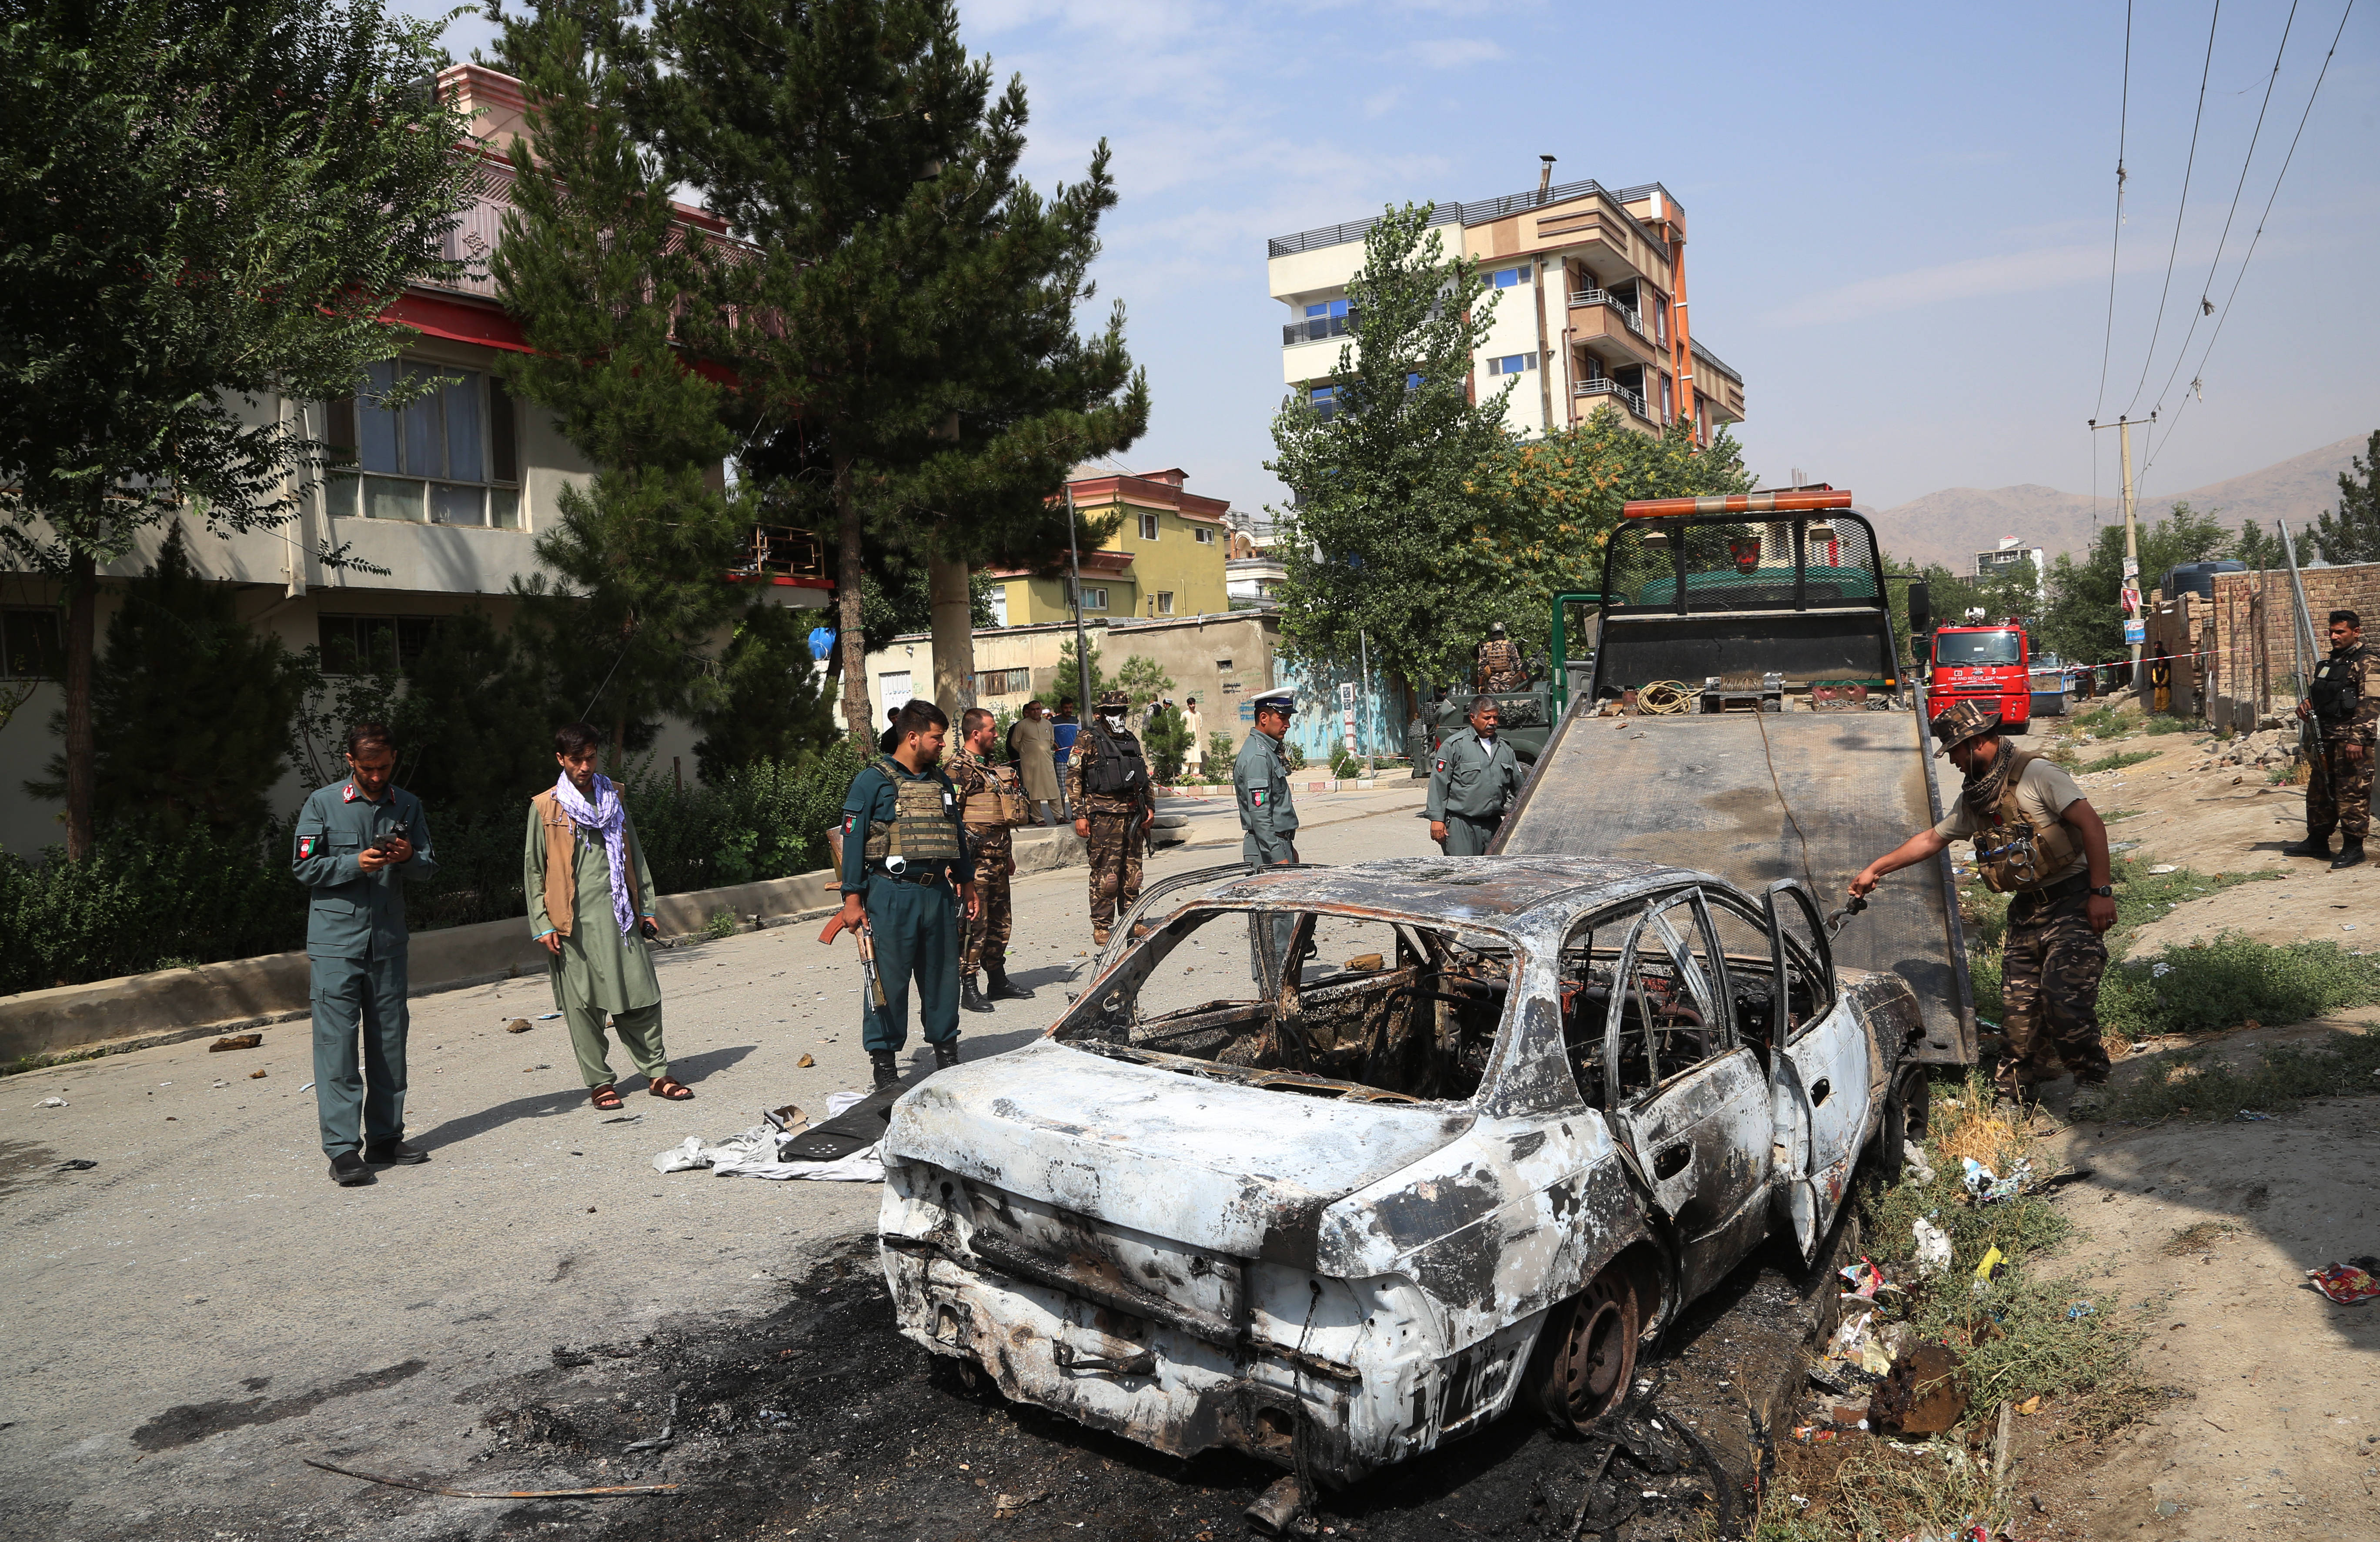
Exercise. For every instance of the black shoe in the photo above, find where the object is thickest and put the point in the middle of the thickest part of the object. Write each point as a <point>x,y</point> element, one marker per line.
<point>347,1171</point>
<point>971,998</point>
<point>2348,855</point>
<point>1003,989</point>
<point>2312,845</point>
<point>888,1070</point>
<point>946,1054</point>
<point>396,1151</point>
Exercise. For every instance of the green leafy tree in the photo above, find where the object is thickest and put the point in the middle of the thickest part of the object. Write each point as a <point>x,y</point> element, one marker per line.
<point>594,264</point>
<point>206,208</point>
<point>919,380</point>
<point>1142,680</point>
<point>1385,475</point>
<point>475,721</point>
<point>1549,507</point>
<point>772,704</point>
<point>1166,740</point>
<point>898,601</point>
<point>2351,532</point>
<point>2256,547</point>
<point>191,710</point>
<point>2084,622</point>
<point>1069,679</point>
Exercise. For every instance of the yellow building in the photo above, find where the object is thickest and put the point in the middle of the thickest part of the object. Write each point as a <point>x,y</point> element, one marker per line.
<point>1165,559</point>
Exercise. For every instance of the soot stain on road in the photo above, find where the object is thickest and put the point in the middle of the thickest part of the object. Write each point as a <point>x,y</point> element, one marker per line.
<point>819,1420</point>
<point>187,1423</point>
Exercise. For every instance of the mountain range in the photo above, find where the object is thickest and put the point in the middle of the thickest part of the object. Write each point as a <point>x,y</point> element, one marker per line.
<point>1951,526</point>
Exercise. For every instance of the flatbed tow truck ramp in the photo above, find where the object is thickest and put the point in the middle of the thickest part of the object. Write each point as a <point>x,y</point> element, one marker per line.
<point>1747,715</point>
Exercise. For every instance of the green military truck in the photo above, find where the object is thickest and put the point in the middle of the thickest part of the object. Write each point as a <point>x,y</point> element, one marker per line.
<point>1745,714</point>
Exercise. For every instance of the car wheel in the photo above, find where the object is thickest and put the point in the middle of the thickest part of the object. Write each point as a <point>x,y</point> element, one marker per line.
<point>1587,1353</point>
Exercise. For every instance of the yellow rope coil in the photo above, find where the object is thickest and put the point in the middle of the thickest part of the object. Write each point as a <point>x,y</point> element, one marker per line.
<point>1665,696</point>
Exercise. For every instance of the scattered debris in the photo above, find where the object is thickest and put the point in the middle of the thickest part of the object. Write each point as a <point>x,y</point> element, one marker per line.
<point>769,1150</point>
<point>51,1103</point>
<point>1933,1248</point>
<point>805,1062</point>
<point>77,1165</point>
<point>1913,1156</point>
<point>519,1025</point>
<point>2080,1310</point>
<point>547,1017</point>
<point>2350,1284</point>
<point>308,1087</point>
<point>1920,1394</point>
<point>1009,1505</point>
<point>235,1041</point>
<point>626,1492</point>
<point>1988,1187</point>
<point>2252,1116</point>
<point>1993,1265</point>
<point>666,1438</point>
<point>254,1075</point>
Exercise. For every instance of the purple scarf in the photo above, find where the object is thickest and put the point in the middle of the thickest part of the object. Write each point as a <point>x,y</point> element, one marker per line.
<point>609,818</point>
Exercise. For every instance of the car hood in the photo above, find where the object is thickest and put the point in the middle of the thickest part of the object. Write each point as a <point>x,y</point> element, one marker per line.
<point>1237,1170</point>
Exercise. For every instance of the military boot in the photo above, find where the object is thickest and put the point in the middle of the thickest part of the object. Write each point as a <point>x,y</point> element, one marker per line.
<point>888,1070</point>
<point>2349,853</point>
<point>1099,937</point>
<point>2312,845</point>
<point>1002,988</point>
<point>946,1054</point>
<point>970,997</point>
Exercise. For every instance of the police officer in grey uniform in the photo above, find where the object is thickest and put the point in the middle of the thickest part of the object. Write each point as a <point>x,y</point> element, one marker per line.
<point>356,839</point>
<point>1473,784</point>
<point>1260,780</point>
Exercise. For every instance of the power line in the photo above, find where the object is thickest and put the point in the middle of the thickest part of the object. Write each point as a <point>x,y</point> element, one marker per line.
<point>2182,208</point>
<point>2237,278</point>
<point>2123,120</point>
<point>2207,306</point>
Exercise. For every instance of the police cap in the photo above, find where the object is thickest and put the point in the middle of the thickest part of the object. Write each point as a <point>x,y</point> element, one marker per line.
<point>1282,700</point>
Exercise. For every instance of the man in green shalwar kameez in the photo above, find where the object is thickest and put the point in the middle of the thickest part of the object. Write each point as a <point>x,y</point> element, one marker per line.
<point>591,903</point>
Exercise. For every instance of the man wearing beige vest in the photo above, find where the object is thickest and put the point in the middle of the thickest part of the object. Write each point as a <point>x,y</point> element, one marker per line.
<point>590,902</point>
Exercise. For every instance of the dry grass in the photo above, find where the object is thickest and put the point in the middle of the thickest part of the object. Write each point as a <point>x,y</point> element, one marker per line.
<point>1969,1130</point>
<point>2198,1238</point>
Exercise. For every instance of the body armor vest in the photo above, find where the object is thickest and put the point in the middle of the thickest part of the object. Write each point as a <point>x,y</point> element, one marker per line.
<point>2335,689</point>
<point>1117,769</point>
<point>922,829</point>
<point>2014,853</point>
<point>1000,804</point>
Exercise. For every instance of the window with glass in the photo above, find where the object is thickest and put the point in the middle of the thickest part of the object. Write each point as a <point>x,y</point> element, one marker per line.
<point>1163,601</point>
<point>1007,682</point>
<point>1512,364</point>
<point>1504,278</point>
<point>1149,527</point>
<point>1327,307</point>
<point>1095,599</point>
<point>1203,536</point>
<point>444,450</point>
<point>1324,400</point>
<point>373,644</point>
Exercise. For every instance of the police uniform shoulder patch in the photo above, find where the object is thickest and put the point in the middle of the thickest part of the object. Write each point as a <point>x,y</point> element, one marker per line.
<point>850,822</point>
<point>1441,763</point>
<point>1255,795</point>
<point>305,847</point>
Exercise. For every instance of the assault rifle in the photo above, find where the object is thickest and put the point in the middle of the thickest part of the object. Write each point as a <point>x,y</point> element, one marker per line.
<point>2302,643</point>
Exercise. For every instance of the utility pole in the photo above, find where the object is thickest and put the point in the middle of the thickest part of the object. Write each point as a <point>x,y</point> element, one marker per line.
<point>2131,584</point>
<point>1082,645</point>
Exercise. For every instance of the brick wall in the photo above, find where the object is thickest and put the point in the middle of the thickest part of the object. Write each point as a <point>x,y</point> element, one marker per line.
<point>2355,586</point>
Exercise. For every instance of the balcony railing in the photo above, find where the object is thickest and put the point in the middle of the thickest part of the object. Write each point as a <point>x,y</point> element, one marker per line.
<point>1606,386</point>
<point>1316,329</point>
<point>1627,312</point>
<point>778,552</point>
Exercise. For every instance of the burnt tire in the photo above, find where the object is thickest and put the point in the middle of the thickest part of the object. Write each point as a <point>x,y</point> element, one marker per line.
<point>1585,1354</point>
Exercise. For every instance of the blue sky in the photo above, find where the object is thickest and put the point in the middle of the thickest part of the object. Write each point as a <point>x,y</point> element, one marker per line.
<point>1899,216</point>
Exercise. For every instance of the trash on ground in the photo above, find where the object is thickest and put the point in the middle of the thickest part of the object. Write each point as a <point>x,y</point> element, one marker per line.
<point>2250,1116</point>
<point>519,1025</point>
<point>2164,868</point>
<point>805,1062</point>
<point>1920,1394</point>
<point>1913,1156</point>
<point>1988,1187</point>
<point>51,1103</point>
<point>308,1087</point>
<point>1993,1264</point>
<point>1007,1505</point>
<point>2080,1310</point>
<point>547,1017</point>
<point>254,1075</point>
<point>235,1041</point>
<point>1933,1248</point>
<point>1863,1277</point>
<point>77,1165</point>
<point>1855,1356</point>
<point>2345,1283</point>
<point>763,1152</point>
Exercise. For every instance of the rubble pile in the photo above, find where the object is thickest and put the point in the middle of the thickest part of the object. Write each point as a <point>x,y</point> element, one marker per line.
<point>2259,752</point>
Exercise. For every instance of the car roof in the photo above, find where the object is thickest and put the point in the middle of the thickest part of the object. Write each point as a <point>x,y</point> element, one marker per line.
<point>1500,893</point>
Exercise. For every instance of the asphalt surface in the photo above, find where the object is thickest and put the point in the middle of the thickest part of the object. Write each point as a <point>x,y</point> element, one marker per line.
<point>199,1309</point>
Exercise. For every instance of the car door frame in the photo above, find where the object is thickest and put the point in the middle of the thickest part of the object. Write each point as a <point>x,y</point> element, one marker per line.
<point>1806,1201</point>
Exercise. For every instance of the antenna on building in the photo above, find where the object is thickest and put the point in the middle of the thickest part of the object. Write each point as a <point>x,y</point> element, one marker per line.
<point>1544,176</point>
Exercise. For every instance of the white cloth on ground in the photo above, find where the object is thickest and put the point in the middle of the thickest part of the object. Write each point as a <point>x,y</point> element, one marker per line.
<point>753,1154</point>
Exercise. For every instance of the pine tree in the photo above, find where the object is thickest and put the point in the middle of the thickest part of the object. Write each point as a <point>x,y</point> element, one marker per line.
<point>191,710</point>
<point>206,209</point>
<point>1386,478</point>
<point>2352,532</point>
<point>772,704</point>
<point>595,264</point>
<point>903,334</point>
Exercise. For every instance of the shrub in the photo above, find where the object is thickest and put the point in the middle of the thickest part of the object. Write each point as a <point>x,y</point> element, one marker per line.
<point>2233,980</point>
<point>2117,761</point>
<point>1344,766</point>
<point>2194,1085</point>
<point>140,899</point>
<point>1166,738</point>
<point>1221,754</point>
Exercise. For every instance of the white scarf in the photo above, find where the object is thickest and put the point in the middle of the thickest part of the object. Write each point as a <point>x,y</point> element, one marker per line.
<point>609,817</point>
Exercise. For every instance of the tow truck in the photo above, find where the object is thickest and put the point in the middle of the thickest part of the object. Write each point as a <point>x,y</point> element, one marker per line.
<point>1746,714</point>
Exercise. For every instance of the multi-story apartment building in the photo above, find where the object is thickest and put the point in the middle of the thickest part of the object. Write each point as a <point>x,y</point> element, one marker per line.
<point>447,494</point>
<point>1166,557</point>
<point>1589,286</point>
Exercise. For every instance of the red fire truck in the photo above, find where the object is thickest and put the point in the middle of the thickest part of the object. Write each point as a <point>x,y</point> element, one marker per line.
<point>1981,662</point>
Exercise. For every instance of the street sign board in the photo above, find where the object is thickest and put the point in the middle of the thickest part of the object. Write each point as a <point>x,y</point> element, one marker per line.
<point>2135,633</point>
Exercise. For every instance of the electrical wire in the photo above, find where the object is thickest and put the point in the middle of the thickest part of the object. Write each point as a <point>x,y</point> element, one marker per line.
<point>2173,422</point>
<point>2106,341</point>
<point>2181,209</point>
<point>2207,306</point>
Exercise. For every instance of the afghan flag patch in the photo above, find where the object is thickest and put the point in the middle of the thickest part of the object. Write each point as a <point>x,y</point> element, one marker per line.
<point>1255,795</point>
<point>305,847</point>
<point>850,822</point>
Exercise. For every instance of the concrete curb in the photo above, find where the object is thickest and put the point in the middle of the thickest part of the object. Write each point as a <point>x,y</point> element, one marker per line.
<point>135,1011</point>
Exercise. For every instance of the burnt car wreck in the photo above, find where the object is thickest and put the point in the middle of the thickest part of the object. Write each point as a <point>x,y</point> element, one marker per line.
<point>1333,1165</point>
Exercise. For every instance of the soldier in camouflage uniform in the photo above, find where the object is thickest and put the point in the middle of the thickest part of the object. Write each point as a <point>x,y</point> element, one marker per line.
<point>1114,803</point>
<point>2340,701</point>
<point>979,785</point>
<point>1500,666</point>
<point>2037,837</point>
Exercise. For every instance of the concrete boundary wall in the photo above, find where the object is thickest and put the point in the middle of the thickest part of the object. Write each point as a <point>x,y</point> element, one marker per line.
<point>137,1010</point>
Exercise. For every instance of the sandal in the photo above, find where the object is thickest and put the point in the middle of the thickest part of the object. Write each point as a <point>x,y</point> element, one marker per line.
<point>672,1088</point>
<point>607,1098</point>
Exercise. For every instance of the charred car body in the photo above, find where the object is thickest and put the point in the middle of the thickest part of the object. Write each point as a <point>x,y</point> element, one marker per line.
<point>1349,1210</point>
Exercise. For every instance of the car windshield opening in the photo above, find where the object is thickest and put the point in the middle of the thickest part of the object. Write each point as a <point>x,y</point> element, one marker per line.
<point>1961,649</point>
<point>1361,1008</point>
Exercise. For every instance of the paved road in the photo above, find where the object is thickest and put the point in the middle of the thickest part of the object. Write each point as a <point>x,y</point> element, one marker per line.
<point>203,1308</point>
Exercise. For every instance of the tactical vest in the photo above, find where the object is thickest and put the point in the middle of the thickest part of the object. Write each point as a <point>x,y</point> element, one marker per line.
<point>2335,689</point>
<point>1117,767</point>
<point>2013,854</point>
<point>922,829</point>
<point>1000,804</point>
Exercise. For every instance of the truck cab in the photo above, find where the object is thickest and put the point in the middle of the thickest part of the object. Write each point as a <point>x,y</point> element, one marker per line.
<point>1985,662</point>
